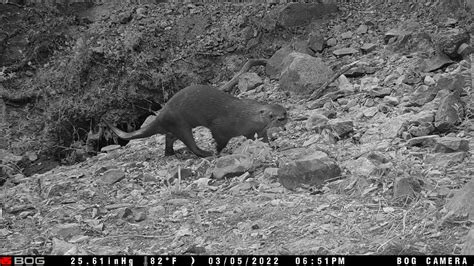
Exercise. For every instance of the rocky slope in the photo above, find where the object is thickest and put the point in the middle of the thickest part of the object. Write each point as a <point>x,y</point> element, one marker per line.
<point>376,162</point>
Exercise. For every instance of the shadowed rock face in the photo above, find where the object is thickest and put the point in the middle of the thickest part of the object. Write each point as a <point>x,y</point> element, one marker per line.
<point>299,14</point>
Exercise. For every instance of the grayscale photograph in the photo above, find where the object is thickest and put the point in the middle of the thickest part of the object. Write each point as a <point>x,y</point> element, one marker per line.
<point>236,132</point>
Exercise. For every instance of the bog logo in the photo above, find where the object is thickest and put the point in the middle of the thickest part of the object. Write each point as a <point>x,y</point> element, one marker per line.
<point>28,261</point>
<point>5,261</point>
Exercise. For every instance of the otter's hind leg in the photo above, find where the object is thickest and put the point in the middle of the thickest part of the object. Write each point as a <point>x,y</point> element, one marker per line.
<point>185,134</point>
<point>169,141</point>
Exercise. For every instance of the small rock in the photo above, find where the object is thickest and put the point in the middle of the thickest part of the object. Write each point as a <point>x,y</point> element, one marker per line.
<point>344,51</point>
<point>384,108</point>
<point>307,170</point>
<point>468,248</point>
<point>389,129</point>
<point>301,46</point>
<point>257,150</point>
<point>421,129</point>
<point>391,100</point>
<point>125,17</point>
<point>361,166</point>
<point>368,47</point>
<point>377,157</point>
<point>125,213</point>
<point>405,135</point>
<point>331,42</point>
<point>66,231</point>
<point>104,169</point>
<point>110,148</point>
<point>429,81</point>
<point>395,35</point>
<point>422,95</point>
<point>326,99</point>
<point>437,62</point>
<point>329,113</point>
<point>61,247</point>
<point>369,83</point>
<point>195,250</point>
<point>139,216</point>
<point>25,214</point>
<point>443,160</point>
<point>452,83</point>
<point>316,122</point>
<point>345,84</point>
<point>240,187</point>
<point>342,128</point>
<point>270,172</point>
<point>291,155</point>
<point>57,189</point>
<point>346,35</point>
<point>450,112</point>
<point>362,29</point>
<point>462,204</point>
<point>112,176</point>
<point>249,81</point>
<point>31,155</point>
<point>405,189</point>
<point>370,112</point>
<point>450,22</point>
<point>422,117</point>
<point>156,212</point>
<point>4,232</point>
<point>78,239</point>
<point>146,177</point>
<point>352,103</point>
<point>316,42</point>
<point>380,92</point>
<point>141,12</point>
<point>451,144</point>
<point>450,40</point>
<point>232,165</point>
<point>465,50</point>
<point>411,78</point>
<point>424,141</point>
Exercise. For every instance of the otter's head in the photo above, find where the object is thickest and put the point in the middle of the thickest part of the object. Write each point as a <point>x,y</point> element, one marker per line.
<point>273,115</point>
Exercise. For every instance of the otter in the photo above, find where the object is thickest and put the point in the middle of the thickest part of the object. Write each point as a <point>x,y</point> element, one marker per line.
<point>200,105</point>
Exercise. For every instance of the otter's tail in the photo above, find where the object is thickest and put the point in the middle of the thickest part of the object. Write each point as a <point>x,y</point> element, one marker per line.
<point>144,132</point>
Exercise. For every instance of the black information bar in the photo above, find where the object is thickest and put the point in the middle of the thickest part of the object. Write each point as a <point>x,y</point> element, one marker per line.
<point>235,260</point>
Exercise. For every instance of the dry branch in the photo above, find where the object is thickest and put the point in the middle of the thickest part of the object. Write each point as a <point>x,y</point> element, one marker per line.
<point>252,62</point>
<point>320,91</point>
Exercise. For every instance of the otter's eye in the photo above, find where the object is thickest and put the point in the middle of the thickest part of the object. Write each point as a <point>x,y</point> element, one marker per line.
<point>281,119</point>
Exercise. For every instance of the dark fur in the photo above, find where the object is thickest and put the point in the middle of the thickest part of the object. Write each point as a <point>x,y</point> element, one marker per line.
<point>225,115</point>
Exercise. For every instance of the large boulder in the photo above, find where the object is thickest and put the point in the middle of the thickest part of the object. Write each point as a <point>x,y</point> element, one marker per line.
<point>300,14</point>
<point>450,112</point>
<point>232,165</point>
<point>303,73</point>
<point>275,63</point>
<point>311,168</point>
<point>461,204</point>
